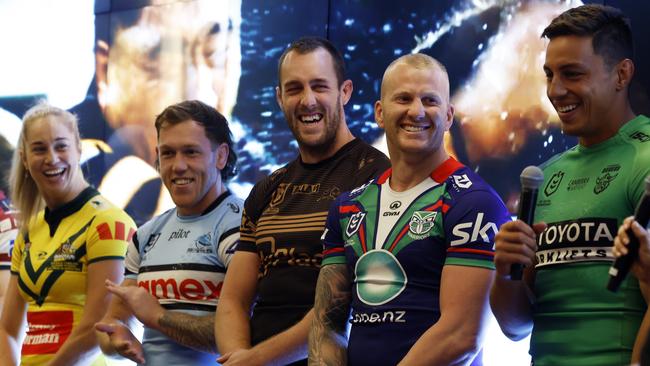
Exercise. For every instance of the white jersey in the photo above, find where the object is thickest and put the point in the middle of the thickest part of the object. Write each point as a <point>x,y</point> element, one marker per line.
<point>8,232</point>
<point>182,261</point>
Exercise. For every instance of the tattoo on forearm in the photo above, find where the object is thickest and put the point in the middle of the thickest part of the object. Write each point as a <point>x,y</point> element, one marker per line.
<point>327,337</point>
<point>196,332</point>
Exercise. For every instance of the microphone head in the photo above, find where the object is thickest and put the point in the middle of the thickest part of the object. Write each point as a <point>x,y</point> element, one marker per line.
<point>532,177</point>
<point>647,185</point>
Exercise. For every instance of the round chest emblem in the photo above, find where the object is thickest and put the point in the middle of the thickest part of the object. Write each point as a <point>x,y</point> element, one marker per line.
<point>379,277</point>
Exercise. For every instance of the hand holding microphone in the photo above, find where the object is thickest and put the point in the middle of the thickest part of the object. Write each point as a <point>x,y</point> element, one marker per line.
<point>531,178</point>
<point>630,232</point>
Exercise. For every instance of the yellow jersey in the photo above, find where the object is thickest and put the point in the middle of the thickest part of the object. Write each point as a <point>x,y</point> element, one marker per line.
<point>51,261</point>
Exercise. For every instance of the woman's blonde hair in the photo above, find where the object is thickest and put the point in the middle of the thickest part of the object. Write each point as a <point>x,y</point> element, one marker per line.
<point>25,196</point>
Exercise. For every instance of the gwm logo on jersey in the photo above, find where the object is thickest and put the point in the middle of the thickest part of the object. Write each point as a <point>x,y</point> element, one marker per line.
<point>421,224</point>
<point>379,276</point>
<point>553,183</point>
<point>608,174</point>
<point>355,223</point>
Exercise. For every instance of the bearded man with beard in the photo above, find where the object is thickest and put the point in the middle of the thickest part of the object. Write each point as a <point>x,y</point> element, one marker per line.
<point>278,258</point>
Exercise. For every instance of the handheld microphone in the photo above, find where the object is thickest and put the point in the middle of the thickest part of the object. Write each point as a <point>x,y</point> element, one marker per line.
<point>621,266</point>
<point>531,178</point>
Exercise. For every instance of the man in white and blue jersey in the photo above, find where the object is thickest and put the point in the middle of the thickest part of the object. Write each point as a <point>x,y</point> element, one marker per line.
<point>177,261</point>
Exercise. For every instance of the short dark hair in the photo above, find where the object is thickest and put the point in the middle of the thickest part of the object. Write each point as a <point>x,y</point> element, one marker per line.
<point>306,45</point>
<point>609,28</point>
<point>214,123</point>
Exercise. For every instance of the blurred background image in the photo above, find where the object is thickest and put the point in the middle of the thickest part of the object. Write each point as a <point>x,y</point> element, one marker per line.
<point>118,63</point>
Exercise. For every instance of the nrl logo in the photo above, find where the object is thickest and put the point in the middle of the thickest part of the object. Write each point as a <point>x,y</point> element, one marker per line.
<point>421,224</point>
<point>553,183</point>
<point>355,223</point>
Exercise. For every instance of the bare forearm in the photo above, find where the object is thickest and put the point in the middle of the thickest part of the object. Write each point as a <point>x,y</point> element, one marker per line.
<point>443,345</point>
<point>233,321</point>
<point>9,349</point>
<point>288,346</point>
<point>511,305</point>
<point>196,332</point>
<point>80,347</point>
<point>327,338</point>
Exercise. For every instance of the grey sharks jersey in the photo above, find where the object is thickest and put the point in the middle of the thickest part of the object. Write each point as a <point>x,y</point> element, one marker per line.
<point>182,262</point>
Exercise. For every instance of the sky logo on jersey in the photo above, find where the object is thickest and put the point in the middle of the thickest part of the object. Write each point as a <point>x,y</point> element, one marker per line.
<point>469,232</point>
<point>421,224</point>
<point>355,223</point>
<point>462,181</point>
<point>379,276</point>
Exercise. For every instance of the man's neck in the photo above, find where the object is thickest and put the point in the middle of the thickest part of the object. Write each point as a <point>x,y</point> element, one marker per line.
<point>409,171</point>
<point>618,120</point>
<point>316,155</point>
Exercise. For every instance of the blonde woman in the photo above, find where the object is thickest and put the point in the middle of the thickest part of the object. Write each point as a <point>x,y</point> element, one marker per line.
<point>71,239</point>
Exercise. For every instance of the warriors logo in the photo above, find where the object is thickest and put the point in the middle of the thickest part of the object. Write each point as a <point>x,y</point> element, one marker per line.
<point>421,224</point>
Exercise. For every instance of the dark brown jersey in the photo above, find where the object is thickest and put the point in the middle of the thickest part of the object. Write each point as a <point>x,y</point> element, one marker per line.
<point>283,220</point>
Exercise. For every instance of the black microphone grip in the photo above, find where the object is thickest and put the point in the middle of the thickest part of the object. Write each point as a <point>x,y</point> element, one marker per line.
<point>526,213</point>
<point>622,265</point>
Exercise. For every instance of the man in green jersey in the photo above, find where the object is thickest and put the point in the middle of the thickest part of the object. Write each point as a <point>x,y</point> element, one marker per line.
<point>587,192</point>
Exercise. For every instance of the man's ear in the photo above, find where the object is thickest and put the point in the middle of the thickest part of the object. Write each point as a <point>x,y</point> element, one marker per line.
<point>624,74</point>
<point>379,114</point>
<point>222,156</point>
<point>450,117</point>
<point>101,70</point>
<point>346,91</point>
<point>156,163</point>
<point>278,96</point>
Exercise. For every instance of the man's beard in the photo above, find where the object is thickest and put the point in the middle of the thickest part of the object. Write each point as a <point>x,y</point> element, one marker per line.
<point>328,139</point>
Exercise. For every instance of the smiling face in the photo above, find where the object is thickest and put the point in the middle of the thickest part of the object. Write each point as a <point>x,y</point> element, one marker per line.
<point>312,101</point>
<point>414,111</point>
<point>51,154</point>
<point>190,166</point>
<point>582,88</point>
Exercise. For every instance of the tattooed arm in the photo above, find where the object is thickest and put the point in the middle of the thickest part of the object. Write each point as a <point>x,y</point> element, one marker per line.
<point>189,330</point>
<point>327,337</point>
<point>192,331</point>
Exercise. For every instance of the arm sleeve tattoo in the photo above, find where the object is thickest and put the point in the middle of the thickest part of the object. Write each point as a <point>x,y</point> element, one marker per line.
<point>327,336</point>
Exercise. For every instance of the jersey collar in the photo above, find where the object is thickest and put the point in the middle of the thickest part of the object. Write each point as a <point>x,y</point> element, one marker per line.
<point>439,174</point>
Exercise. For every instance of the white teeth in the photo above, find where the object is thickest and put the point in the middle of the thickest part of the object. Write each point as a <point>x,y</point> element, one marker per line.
<point>567,108</point>
<point>311,118</point>
<point>410,128</point>
<point>53,172</point>
<point>181,181</point>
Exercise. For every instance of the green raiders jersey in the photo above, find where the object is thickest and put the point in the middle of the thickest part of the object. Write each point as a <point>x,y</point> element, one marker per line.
<point>586,194</point>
